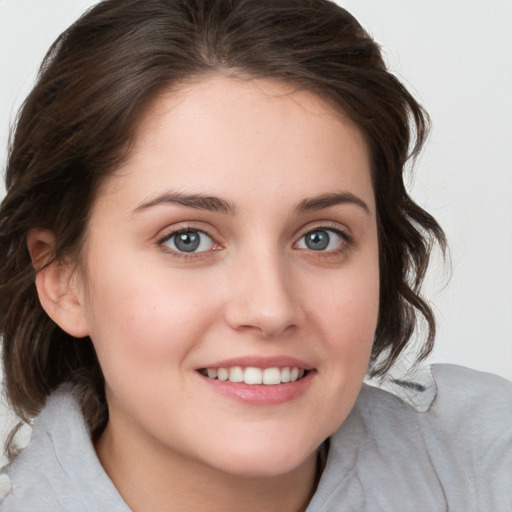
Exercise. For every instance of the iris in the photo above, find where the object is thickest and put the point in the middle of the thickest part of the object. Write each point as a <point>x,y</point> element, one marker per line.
<point>317,240</point>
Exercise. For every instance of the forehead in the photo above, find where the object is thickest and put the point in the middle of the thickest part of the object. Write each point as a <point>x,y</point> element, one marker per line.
<point>224,135</point>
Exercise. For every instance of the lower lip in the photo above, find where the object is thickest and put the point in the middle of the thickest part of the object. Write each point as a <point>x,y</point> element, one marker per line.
<point>261,394</point>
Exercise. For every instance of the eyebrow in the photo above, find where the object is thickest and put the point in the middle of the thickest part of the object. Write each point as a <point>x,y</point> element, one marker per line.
<point>327,200</point>
<point>198,201</point>
<point>216,204</point>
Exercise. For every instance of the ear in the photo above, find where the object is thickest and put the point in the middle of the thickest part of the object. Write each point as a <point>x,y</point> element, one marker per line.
<point>57,284</point>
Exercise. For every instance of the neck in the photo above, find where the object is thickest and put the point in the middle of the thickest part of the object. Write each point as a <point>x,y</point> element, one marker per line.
<point>158,482</point>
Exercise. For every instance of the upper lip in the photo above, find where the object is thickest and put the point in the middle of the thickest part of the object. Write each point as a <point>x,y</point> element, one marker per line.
<point>261,362</point>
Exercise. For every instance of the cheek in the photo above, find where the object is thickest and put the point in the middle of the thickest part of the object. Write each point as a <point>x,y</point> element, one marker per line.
<point>343,314</point>
<point>347,317</point>
<point>350,300</point>
<point>153,317</point>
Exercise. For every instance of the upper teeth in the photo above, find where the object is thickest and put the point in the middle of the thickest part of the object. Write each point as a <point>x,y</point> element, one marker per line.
<point>253,375</point>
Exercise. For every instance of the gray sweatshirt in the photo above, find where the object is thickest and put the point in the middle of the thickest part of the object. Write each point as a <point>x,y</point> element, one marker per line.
<point>445,444</point>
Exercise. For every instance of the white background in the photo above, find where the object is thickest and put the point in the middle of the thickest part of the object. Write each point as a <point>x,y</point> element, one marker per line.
<point>456,58</point>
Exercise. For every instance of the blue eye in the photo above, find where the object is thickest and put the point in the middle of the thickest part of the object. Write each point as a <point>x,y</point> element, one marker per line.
<point>322,240</point>
<point>189,241</point>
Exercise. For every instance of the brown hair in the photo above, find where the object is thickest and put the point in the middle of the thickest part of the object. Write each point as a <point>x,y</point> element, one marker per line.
<point>76,125</point>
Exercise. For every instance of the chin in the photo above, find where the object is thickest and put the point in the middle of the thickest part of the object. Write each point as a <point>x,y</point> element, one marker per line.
<point>269,461</point>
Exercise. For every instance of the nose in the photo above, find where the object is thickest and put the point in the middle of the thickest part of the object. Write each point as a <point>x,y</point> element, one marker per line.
<point>263,299</point>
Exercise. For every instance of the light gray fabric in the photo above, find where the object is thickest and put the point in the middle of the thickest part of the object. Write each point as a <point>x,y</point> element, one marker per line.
<point>387,456</point>
<point>59,470</point>
<point>414,385</point>
<point>456,457</point>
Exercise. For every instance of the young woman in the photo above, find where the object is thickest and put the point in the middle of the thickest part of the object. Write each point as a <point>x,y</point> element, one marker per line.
<point>206,244</point>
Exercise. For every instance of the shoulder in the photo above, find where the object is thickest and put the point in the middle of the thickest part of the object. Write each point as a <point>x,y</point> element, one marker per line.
<point>468,431</point>
<point>438,442</point>
<point>460,384</point>
<point>59,469</point>
<point>471,419</point>
<point>25,480</point>
<point>473,404</point>
<point>444,393</point>
<point>455,404</point>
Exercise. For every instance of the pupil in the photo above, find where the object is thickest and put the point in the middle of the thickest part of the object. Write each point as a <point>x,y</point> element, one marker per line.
<point>317,241</point>
<point>187,242</point>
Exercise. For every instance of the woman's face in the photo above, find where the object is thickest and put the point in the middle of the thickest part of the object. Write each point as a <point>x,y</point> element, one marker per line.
<point>237,242</point>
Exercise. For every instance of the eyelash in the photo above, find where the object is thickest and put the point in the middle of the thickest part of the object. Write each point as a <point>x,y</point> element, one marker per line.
<point>345,246</point>
<point>184,255</point>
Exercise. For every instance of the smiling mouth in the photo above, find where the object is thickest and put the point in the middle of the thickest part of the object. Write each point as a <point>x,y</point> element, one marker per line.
<point>253,376</point>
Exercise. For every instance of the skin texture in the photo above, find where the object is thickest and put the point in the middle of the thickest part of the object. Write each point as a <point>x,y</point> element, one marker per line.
<point>255,290</point>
